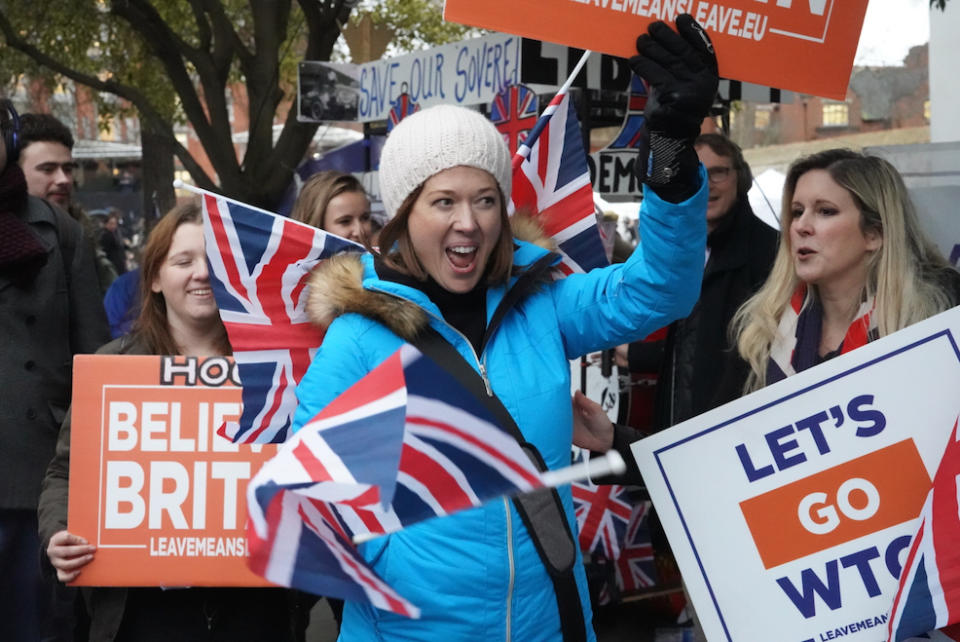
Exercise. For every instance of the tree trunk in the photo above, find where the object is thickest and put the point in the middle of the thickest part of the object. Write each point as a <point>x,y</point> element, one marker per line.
<point>157,175</point>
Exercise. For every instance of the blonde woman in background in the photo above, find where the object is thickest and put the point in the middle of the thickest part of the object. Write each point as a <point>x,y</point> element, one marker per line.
<point>853,265</point>
<point>335,202</point>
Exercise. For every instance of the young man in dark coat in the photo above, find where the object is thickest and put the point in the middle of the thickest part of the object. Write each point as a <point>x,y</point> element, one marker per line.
<point>701,368</point>
<point>50,310</point>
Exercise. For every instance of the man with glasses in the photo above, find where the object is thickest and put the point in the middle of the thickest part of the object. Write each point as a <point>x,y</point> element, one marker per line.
<point>701,368</point>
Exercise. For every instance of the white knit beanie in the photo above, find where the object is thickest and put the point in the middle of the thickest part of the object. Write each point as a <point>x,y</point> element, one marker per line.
<point>436,139</point>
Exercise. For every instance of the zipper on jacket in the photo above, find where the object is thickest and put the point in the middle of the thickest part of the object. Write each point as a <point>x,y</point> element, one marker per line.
<point>481,363</point>
<point>506,508</point>
<point>486,380</point>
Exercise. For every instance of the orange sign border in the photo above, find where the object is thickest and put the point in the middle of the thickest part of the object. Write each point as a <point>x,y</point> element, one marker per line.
<point>95,379</point>
<point>799,62</point>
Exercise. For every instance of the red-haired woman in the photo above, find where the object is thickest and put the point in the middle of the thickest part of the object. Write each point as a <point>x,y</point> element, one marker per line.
<point>179,316</point>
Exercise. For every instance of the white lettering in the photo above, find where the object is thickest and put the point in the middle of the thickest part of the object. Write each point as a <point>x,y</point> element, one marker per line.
<point>162,500</point>
<point>121,433</point>
<point>231,472</point>
<point>117,494</point>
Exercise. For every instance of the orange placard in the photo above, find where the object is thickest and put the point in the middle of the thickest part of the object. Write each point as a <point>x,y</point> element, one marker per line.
<point>152,485</point>
<point>839,504</point>
<point>801,45</point>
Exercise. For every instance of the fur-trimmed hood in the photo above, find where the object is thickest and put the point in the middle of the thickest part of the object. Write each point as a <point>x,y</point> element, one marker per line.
<point>336,287</point>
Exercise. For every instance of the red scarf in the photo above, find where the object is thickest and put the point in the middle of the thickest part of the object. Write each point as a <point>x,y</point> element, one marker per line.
<point>797,344</point>
<point>20,248</point>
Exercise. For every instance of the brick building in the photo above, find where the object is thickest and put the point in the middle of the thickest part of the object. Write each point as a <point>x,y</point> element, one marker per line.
<point>878,98</point>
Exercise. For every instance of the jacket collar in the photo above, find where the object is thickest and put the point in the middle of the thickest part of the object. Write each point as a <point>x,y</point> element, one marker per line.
<point>349,283</point>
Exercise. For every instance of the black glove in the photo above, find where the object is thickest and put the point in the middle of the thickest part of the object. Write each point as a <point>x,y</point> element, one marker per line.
<point>681,68</point>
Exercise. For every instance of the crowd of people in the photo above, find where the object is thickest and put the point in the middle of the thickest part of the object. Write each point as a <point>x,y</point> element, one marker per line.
<point>452,273</point>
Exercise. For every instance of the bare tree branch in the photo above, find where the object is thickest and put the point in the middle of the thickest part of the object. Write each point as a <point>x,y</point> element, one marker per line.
<point>131,94</point>
<point>208,115</point>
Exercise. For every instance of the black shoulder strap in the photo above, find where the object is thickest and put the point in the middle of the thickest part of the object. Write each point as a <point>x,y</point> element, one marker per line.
<point>541,511</point>
<point>527,280</point>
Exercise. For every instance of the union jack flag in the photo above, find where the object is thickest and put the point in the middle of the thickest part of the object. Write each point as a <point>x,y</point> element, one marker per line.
<point>514,112</point>
<point>402,107</point>
<point>551,179</point>
<point>403,444</point>
<point>635,568</point>
<point>602,513</point>
<point>259,263</point>
<point>928,597</point>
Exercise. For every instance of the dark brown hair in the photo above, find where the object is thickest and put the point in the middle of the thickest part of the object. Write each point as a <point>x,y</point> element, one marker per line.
<point>397,249</point>
<point>44,128</point>
<point>152,327</point>
<point>318,191</point>
<point>723,146</point>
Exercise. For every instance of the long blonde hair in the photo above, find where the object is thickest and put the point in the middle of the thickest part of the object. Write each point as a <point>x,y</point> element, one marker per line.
<point>904,274</point>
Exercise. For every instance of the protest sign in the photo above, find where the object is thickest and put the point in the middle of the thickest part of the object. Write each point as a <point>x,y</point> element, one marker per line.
<point>152,486</point>
<point>464,73</point>
<point>803,45</point>
<point>791,510</point>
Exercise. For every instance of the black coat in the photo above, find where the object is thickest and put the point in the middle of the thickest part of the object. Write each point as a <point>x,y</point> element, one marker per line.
<point>46,317</point>
<point>701,368</point>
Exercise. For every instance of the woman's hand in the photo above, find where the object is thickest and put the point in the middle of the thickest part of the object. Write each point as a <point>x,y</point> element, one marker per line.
<point>592,429</point>
<point>68,554</point>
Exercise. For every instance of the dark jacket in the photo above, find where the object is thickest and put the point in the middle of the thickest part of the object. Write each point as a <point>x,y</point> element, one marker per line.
<point>245,613</point>
<point>104,605</point>
<point>701,368</point>
<point>44,321</point>
<point>112,246</point>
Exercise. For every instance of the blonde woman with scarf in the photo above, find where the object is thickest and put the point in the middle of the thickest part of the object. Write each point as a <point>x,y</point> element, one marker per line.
<point>852,266</point>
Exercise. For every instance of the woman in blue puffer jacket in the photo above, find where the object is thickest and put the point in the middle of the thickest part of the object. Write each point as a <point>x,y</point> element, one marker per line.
<point>451,262</point>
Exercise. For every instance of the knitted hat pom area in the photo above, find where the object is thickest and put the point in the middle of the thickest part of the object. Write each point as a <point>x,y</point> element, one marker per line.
<point>433,140</point>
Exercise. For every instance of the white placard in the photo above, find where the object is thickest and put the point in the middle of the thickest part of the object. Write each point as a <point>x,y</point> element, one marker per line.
<point>792,525</point>
<point>463,73</point>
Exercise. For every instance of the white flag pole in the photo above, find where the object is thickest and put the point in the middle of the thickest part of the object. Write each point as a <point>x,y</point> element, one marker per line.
<point>576,70</point>
<point>610,464</point>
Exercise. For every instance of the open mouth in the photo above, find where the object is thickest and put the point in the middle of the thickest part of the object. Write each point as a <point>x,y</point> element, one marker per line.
<point>804,252</point>
<point>204,292</point>
<point>462,257</point>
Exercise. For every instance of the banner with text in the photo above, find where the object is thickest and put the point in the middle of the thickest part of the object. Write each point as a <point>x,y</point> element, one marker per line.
<point>803,45</point>
<point>152,485</point>
<point>463,73</point>
<point>791,510</point>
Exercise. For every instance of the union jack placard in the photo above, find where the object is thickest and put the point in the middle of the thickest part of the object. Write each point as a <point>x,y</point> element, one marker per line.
<point>602,515</point>
<point>514,113</point>
<point>635,568</point>
<point>402,107</point>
